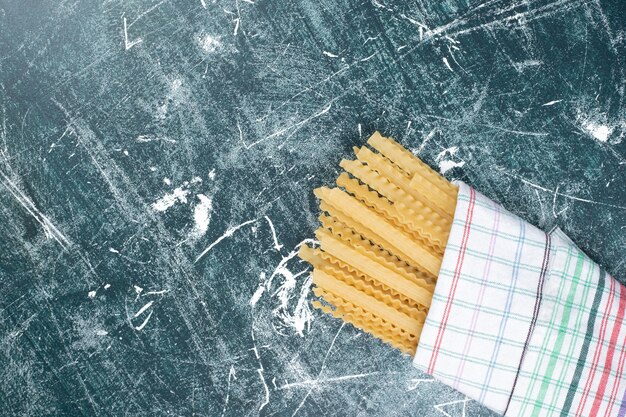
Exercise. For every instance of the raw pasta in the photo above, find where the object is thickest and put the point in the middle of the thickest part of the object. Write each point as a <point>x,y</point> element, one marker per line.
<point>382,242</point>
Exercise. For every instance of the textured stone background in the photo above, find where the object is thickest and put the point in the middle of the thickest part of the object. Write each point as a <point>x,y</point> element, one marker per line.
<point>136,135</point>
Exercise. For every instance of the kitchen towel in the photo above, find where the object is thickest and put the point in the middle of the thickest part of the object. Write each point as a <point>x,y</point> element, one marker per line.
<point>522,320</point>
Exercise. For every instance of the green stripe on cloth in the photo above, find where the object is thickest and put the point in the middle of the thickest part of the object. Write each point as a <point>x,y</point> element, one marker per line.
<point>562,330</point>
<point>535,375</point>
<point>578,323</point>
<point>582,359</point>
<point>529,349</point>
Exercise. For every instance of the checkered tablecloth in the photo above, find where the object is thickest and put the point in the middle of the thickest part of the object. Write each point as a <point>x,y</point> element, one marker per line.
<point>522,320</point>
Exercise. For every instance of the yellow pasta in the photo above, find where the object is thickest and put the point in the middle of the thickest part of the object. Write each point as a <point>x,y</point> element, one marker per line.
<point>385,208</point>
<point>381,227</point>
<point>410,163</point>
<point>426,221</point>
<point>420,293</point>
<point>366,302</point>
<point>433,198</point>
<point>357,241</point>
<point>381,242</point>
<point>367,322</point>
<point>335,267</point>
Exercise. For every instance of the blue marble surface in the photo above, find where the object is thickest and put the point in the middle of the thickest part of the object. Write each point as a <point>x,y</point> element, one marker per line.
<point>157,161</point>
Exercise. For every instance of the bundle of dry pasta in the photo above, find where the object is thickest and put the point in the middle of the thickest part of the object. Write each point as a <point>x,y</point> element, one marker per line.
<point>381,242</point>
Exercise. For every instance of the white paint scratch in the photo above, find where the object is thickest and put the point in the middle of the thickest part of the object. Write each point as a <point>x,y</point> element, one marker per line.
<point>84,131</point>
<point>138,291</point>
<point>277,245</point>
<point>428,137</point>
<point>259,291</point>
<point>445,164</point>
<point>257,295</point>
<point>229,232</point>
<point>415,22</point>
<point>128,44</point>
<point>330,55</point>
<point>367,58</point>
<point>543,214</point>
<point>490,126</point>
<point>319,374</point>
<point>153,138</point>
<point>456,27</point>
<point>293,128</point>
<point>322,382</point>
<point>149,10</point>
<point>260,371</point>
<point>521,66</point>
<point>236,26</point>
<point>209,44</point>
<point>556,192</point>
<point>439,407</point>
<point>231,376</point>
<point>267,391</point>
<point>142,325</point>
<point>454,58</point>
<point>142,309</point>
<point>445,61</point>
<point>416,382</point>
<point>157,292</point>
<point>178,195</point>
<point>301,316</point>
<point>599,131</point>
<point>552,103</point>
<point>202,216</point>
<point>50,230</point>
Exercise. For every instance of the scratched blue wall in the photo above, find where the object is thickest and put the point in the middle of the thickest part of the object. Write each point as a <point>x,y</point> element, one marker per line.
<point>156,166</point>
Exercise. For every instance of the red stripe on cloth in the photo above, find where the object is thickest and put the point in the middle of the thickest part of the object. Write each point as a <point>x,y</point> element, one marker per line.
<point>596,354</point>
<point>617,324</point>
<point>455,280</point>
<point>618,380</point>
<point>620,371</point>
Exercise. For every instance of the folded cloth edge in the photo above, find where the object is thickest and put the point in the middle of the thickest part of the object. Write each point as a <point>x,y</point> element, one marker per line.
<point>488,332</point>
